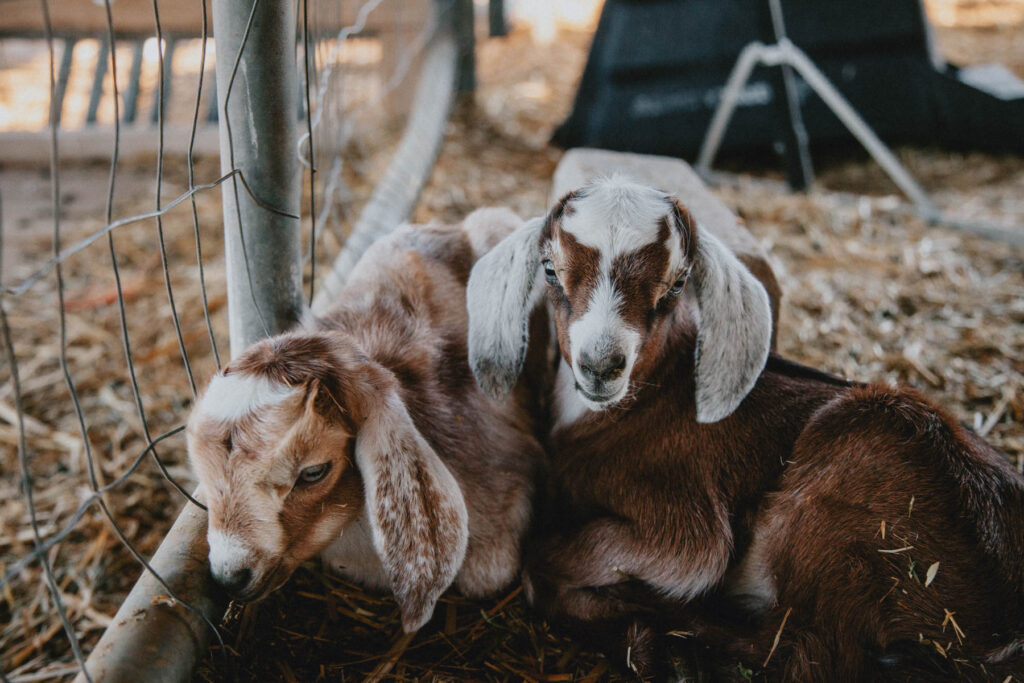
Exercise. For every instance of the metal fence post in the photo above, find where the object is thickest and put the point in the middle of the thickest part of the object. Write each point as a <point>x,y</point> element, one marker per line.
<point>257,79</point>
<point>153,638</point>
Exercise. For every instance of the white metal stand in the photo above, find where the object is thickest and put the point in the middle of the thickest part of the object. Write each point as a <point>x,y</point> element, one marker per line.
<point>785,52</point>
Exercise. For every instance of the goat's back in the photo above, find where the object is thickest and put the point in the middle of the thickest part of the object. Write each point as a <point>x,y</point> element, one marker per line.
<point>894,540</point>
<point>404,304</point>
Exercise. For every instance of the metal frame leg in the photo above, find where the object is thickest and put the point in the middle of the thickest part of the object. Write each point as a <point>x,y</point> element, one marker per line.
<point>785,52</point>
<point>788,117</point>
<point>496,21</point>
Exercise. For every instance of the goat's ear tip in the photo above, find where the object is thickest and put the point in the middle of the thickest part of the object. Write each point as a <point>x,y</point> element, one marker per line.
<point>498,388</point>
<point>414,617</point>
<point>709,414</point>
<point>494,379</point>
<point>496,393</point>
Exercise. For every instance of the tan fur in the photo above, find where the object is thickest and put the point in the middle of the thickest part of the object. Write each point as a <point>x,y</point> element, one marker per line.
<point>438,474</point>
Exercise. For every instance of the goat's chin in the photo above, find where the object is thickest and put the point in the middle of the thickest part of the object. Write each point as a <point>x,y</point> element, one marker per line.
<point>269,581</point>
<point>598,403</point>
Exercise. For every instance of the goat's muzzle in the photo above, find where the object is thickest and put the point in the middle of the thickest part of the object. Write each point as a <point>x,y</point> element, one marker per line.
<point>235,581</point>
<point>602,370</point>
<point>601,379</point>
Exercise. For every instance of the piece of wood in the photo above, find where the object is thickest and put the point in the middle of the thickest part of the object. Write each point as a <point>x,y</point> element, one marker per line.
<point>96,143</point>
<point>24,18</point>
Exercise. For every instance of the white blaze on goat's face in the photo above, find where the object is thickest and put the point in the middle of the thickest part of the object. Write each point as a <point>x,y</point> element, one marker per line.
<point>253,442</point>
<point>232,397</point>
<point>613,256</point>
<point>603,347</point>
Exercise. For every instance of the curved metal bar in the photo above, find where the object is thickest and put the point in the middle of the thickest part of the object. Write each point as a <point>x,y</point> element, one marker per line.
<point>395,197</point>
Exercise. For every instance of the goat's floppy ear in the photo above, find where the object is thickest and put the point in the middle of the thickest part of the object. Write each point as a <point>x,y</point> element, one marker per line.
<point>415,508</point>
<point>734,331</point>
<point>499,298</point>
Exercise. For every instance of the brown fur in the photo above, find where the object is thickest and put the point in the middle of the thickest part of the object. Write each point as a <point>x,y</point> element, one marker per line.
<point>579,265</point>
<point>653,520</point>
<point>383,384</point>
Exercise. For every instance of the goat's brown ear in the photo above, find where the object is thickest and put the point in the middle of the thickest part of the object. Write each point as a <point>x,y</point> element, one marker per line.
<point>415,508</point>
<point>734,331</point>
<point>500,296</point>
<point>321,401</point>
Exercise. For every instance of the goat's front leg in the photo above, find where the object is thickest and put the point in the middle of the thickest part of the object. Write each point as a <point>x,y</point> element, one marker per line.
<point>607,580</point>
<point>679,555</point>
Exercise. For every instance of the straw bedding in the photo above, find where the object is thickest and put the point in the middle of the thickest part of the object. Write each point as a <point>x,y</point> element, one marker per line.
<point>868,292</point>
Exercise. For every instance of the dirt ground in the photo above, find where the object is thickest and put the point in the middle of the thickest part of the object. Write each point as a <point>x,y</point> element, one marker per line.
<point>868,292</point>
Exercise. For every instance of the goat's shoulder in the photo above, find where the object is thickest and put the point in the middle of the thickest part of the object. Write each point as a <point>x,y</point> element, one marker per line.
<point>888,445</point>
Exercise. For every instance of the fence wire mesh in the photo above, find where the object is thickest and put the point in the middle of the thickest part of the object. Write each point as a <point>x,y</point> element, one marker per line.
<point>113,302</point>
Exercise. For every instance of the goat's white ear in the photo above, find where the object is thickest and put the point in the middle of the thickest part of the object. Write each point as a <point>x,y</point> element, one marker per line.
<point>415,508</point>
<point>734,331</point>
<point>499,297</point>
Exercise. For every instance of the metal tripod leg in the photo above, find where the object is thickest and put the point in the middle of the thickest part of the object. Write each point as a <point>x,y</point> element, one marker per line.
<point>785,52</point>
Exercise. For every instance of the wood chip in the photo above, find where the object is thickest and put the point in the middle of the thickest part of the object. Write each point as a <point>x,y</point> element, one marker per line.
<point>929,576</point>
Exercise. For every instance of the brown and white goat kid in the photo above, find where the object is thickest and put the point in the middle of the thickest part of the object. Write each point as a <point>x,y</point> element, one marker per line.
<point>696,482</point>
<point>364,439</point>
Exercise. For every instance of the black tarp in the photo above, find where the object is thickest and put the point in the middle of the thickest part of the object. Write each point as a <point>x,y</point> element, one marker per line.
<point>657,67</point>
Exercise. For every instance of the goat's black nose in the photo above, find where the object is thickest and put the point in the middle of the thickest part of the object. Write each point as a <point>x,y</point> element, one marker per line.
<point>603,369</point>
<point>235,580</point>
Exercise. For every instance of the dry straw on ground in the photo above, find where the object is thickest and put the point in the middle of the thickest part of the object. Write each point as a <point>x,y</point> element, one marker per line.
<point>869,293</point>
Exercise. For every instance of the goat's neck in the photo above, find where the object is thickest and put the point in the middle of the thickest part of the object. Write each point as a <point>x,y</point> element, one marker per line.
<point>666,355</point>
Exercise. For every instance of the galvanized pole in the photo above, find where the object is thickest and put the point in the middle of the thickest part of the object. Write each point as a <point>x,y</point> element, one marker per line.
<point>256,80</point>
<point>153,637</point>
<point>789,121</point>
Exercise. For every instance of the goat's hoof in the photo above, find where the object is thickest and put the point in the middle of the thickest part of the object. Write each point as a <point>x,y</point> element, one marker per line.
<point>645,653</point>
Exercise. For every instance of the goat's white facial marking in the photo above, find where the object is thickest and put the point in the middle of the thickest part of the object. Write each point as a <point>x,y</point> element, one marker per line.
<point>227,551</point>
<point>234,396</point>
<point>603,348</point>
<point>617,250</point>
<point>569,405</point>
<point>231,561</point>
<point>617,216</point>
<point>274,464</point>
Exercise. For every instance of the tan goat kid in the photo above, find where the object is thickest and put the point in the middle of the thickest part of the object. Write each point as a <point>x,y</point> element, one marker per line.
<point>364,439</point>
<point>813,529</point>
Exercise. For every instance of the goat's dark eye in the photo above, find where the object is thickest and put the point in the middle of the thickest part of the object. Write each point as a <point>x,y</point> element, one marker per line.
<point>312,475</point>
<point>676,287</point>
<point>549,272</point>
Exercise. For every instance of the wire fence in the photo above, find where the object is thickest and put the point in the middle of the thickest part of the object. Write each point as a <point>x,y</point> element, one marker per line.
<point>113,308</point>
